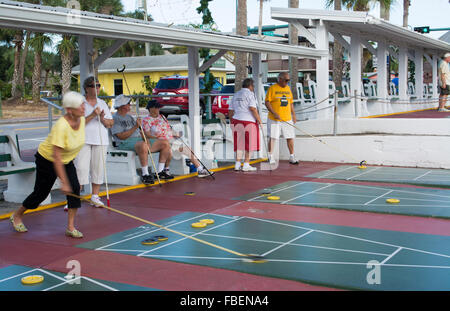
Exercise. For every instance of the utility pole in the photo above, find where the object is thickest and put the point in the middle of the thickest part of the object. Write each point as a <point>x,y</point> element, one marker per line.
<point>143,5</point>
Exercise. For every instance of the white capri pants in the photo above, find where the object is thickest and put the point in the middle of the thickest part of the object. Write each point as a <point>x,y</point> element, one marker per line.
<point>89,162</point>
<point>276,128</point>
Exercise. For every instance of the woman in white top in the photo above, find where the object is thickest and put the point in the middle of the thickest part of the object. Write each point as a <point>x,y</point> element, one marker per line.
<point>245,123</point>
<point>90,160</point>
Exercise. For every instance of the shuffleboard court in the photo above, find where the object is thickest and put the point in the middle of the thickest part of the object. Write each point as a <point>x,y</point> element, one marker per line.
<point>10,280</point>
<point>329,255</point>
<point>402,175</point>
<point>413,201</point>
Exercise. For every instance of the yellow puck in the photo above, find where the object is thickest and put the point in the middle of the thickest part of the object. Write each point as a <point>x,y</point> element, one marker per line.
<point>361,167</point>
<point>32,279</point>
<point>273,197</point>
<point>198,225</point>
<point>392,200</point>
<point>207,221</point>
<point>151,241</point>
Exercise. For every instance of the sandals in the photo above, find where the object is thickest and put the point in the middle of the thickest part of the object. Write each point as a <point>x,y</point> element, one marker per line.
<point>74,234</point>
<point>20,227</point>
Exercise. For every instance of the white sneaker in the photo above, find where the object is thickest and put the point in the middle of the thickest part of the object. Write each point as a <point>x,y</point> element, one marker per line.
<point>271,159</point>
<point>249,168</point>
<point>204,173</point>
<point>443,110</point>
<point>66,208</point>
<point>95,201</point>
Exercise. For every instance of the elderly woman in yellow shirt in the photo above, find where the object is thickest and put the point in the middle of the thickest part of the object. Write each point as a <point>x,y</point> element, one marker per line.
<point>54,158</point>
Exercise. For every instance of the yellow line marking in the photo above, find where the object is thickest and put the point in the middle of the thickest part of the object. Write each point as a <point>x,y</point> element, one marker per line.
<point>30,128</point>
<point>124,189</point>
<point>396,113</point>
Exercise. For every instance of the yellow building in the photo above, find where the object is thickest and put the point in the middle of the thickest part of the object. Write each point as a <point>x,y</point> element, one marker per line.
<point>153,67</point>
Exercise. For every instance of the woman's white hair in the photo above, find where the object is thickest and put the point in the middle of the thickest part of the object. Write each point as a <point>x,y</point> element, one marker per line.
<point>73,100</point>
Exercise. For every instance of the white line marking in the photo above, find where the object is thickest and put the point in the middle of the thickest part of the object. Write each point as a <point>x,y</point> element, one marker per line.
<point>360,204</point>
<point>82,277</point>
<point>288,242</point>
<point>284,188</point>
<point>350,237</point>
<point>184,238</point>
<point>311,192</point>
<point>331,173</point>
<point>397,190</point>
<point>124,240</point>
<point>192,257</point>
<point>368,171</point>
<point>422,175</point>
<point>17,275</point>
<point>391,255</point>
<point>378,197</point>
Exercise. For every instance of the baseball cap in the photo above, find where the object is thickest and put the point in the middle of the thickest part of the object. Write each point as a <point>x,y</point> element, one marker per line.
<point>447,55</point>
<point>121,100</point>
<point>153,104</point>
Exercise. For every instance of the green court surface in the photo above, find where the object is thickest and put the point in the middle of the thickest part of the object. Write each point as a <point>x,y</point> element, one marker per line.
<point>413,201</point>
<point>10,280</point>
<point>329,255</point>
<point>402,175</point>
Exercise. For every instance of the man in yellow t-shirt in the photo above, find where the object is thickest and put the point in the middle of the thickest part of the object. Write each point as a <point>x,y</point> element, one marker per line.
<point>280,103</point>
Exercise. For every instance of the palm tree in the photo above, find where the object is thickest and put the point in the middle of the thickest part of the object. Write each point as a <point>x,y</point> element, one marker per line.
<point>338,55</point>
<point>37,43</point>
<point>66,48</point>
<point>293,60</point>
<point>406,4</point>
<point>241,57</point>
<point>261,6</point>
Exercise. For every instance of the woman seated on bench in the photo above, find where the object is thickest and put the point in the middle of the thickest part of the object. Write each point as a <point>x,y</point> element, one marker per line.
<point>157,128</point>
<point>54,158</point>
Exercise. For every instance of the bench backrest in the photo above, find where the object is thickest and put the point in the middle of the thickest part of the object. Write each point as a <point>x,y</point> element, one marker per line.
<point>10,146</point>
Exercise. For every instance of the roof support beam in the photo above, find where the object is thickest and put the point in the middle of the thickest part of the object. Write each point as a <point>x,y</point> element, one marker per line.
<point>302,31</point>
<point>85,44</point>
<point>109,52</point>
<point>211,61</point>
<point>369,46</point>
<point>339,38</point>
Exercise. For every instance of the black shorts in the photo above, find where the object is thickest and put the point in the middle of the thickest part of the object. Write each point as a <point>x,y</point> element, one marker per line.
<point>445,91</point>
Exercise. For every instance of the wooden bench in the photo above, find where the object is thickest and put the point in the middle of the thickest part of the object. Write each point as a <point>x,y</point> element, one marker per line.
<point>21,175</point>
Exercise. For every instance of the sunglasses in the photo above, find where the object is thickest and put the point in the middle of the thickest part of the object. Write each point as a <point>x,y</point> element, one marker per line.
<point>97,85</point>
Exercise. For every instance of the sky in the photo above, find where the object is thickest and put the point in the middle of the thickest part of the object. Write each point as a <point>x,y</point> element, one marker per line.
<point>433,13</point>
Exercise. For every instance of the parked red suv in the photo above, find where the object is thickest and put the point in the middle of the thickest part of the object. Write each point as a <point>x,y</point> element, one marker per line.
<point>174,85</point>
<point>221,102</point>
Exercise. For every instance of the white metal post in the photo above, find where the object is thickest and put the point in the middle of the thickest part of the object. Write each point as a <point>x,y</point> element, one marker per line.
<point>322,71</point>
<point>403,73</point>
<point>85,44</point>
<point>257,78</point>
<point>418,76</point>
<point>382,72</point>
<point>355,69</point>
<point>435,76</point>
<point>194,100</point>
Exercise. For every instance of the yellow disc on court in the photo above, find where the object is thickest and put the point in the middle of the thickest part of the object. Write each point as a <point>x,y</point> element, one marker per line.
<point>273,197</point>
<point>361,167</point>
<point>392,200</point>
<point>199,225</point>
<point>207,221</point>
<point>32,279</point>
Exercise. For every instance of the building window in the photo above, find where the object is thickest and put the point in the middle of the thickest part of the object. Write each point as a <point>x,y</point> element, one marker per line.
<point>118,87</point>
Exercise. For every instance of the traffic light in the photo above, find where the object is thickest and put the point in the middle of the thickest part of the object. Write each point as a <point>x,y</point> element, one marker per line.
<point>425,29</point>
